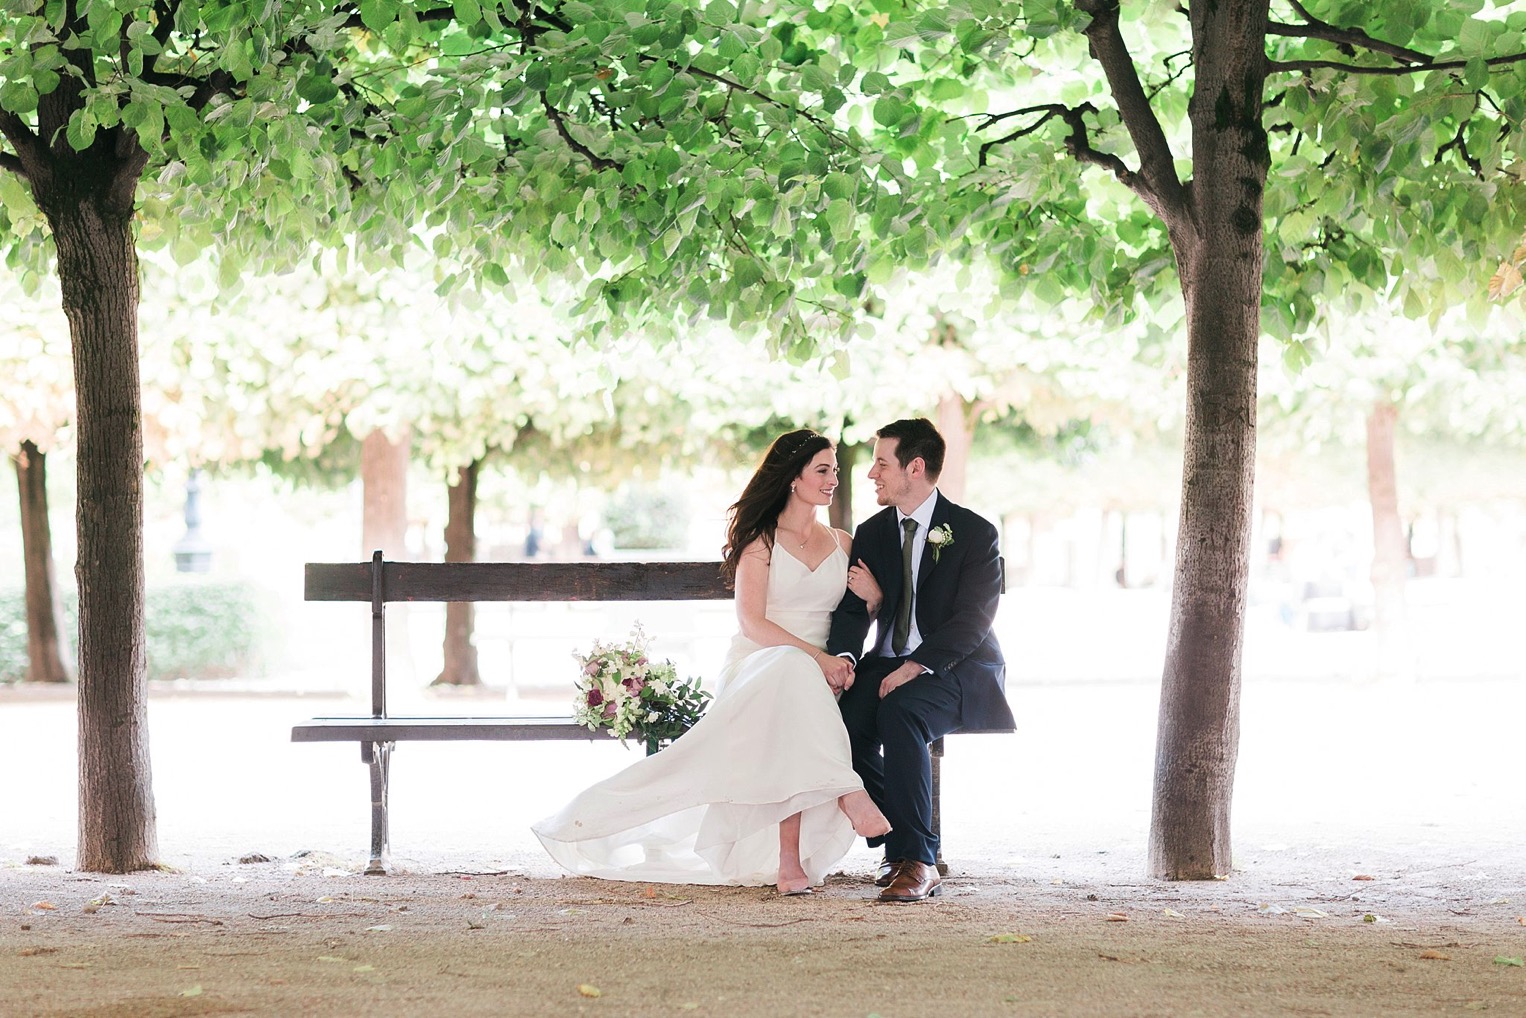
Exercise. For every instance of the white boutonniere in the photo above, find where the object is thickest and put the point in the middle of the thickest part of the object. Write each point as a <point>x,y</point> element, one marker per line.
<point>939,538</point>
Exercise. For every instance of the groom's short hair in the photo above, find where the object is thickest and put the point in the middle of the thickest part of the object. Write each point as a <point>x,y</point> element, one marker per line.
<point>915,437</point>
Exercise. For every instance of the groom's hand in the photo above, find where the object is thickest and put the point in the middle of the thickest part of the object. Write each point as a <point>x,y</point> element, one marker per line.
<point>898,678</point>
<point>837,669</point>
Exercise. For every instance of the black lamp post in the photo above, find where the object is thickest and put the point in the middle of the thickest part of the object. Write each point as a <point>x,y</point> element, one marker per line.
<point>192,553</point>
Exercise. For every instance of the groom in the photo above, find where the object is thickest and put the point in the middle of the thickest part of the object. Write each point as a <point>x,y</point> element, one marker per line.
<point>933,666</point>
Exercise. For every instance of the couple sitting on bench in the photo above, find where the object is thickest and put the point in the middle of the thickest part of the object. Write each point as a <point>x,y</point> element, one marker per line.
<point>775,780</point>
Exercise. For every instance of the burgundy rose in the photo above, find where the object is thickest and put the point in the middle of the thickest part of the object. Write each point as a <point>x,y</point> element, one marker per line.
<point>595,698</point>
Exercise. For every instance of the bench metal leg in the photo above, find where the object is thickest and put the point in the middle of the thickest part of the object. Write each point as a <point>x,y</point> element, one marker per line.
<point>935,752</point>
<point>379,756</point>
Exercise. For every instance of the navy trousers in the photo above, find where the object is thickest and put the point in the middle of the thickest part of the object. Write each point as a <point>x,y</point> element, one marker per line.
<point>889,738</point>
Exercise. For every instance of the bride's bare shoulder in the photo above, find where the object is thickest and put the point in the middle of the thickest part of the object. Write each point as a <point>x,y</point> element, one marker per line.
<point>844,540</point>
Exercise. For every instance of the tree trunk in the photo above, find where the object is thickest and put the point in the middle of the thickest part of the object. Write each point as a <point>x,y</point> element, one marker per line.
<point>384,526</point>
<point>461,546</point>
<point>1390,548</point>
<point>840,513</point>
<point>48,656</point>
<point>98,269</point>
<point>1219,258</point>
<point>384,478</point>
<point>954,424</point>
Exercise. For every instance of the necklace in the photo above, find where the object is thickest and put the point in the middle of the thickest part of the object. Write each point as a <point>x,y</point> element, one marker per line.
<point>808,534</point>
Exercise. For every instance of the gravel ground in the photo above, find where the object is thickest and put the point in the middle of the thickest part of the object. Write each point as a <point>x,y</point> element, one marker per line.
<point>1048,911</point>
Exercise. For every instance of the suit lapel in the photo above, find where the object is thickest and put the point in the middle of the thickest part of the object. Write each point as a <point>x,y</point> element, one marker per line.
<point>940,517</point>
<point>889,553</point>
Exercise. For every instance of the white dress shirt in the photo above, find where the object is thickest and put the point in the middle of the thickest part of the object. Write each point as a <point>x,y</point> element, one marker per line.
<point>923,514</point>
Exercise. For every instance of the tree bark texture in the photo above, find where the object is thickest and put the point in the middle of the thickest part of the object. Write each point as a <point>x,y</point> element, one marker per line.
<point>1390,546</point>
<point>955,424</point>
<point>461,546</point>
<point>840,512</point>
<point>384,478</point>
<point>384,525</point>
<point>48,654</point>
<point>1219,257</point>
<point>88,200</point>
<point>98,270</point>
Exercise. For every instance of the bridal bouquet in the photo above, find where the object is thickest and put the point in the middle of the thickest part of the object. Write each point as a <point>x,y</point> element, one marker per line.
<point>622,689</point>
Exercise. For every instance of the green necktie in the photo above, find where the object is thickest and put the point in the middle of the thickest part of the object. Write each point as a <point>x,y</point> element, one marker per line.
<point>902,631</point>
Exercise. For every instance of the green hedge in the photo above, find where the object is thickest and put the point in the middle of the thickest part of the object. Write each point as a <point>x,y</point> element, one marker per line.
<point>641,517</point>
<point>195,629</point>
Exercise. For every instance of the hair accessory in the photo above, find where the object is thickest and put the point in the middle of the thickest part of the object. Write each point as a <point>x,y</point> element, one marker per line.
<point>799,444</point>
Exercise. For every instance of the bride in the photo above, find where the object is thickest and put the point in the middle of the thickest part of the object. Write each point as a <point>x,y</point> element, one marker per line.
<point>762,789</point>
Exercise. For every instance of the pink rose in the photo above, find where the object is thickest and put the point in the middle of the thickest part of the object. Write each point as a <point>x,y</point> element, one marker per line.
<point>611,709</point>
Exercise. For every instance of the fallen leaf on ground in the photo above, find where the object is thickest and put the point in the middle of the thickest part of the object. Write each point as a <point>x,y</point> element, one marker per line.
<point>650,892</point>
<point>194,991</point>
<point>383,928</point>
<point>1521,919</point>
<point>589,990</point>
<point>32,952</point>
<point>42,860</point>
<point>325,899</point>
<point>1011,938</point>
<point>1268,909</point>
<point>1117,917</point>
<point>1434,955</point>
<point>1364,876</point>
<point>1171,913</point>
<point>44,906</point>
<point>1502,960</point>
<point>1310,912</point>
<point>364,968</point>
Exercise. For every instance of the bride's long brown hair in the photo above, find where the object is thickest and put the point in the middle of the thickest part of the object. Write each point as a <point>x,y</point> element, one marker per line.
<point>756,513</point>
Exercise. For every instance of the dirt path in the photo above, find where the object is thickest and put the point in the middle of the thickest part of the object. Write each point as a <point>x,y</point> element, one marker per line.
<point>281,938</point>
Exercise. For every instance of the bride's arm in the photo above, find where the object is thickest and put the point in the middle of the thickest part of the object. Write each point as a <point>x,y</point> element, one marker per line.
<point>752,603</point>
<point>860,580</point>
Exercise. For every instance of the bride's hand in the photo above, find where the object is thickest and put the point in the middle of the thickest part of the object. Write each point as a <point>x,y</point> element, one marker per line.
<point>838,670</point>
<point>862,582</point>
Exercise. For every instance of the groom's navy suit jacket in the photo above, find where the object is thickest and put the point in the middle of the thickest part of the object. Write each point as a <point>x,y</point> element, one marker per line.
<point>957,592</point>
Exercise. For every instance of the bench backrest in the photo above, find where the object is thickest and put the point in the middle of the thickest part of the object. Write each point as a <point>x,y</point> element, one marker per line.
<point>379,581</point>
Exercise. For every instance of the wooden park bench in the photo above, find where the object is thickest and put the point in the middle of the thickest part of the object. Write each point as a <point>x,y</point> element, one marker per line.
<point>379,582</point>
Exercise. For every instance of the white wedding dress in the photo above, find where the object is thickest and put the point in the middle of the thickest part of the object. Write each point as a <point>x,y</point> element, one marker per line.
<point>706,810</point>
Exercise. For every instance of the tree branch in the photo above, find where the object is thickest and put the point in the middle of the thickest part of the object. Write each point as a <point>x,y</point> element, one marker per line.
<point>1077,143</point>
<point>559,121</point>
<point>1159,187</point>
<point>1460,143</point>
<point>164,21</point>
<point>23,140</point>
<point>737,86</point>
<point>1335,65</point>
<point>1353,37</point>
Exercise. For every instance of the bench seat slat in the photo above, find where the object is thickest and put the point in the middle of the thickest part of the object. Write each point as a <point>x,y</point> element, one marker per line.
<point>451,729</point>
<point>519,581</point>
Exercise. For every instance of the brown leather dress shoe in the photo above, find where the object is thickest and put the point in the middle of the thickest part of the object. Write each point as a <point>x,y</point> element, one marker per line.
<point>914,881</point>
<point>887,872</point>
